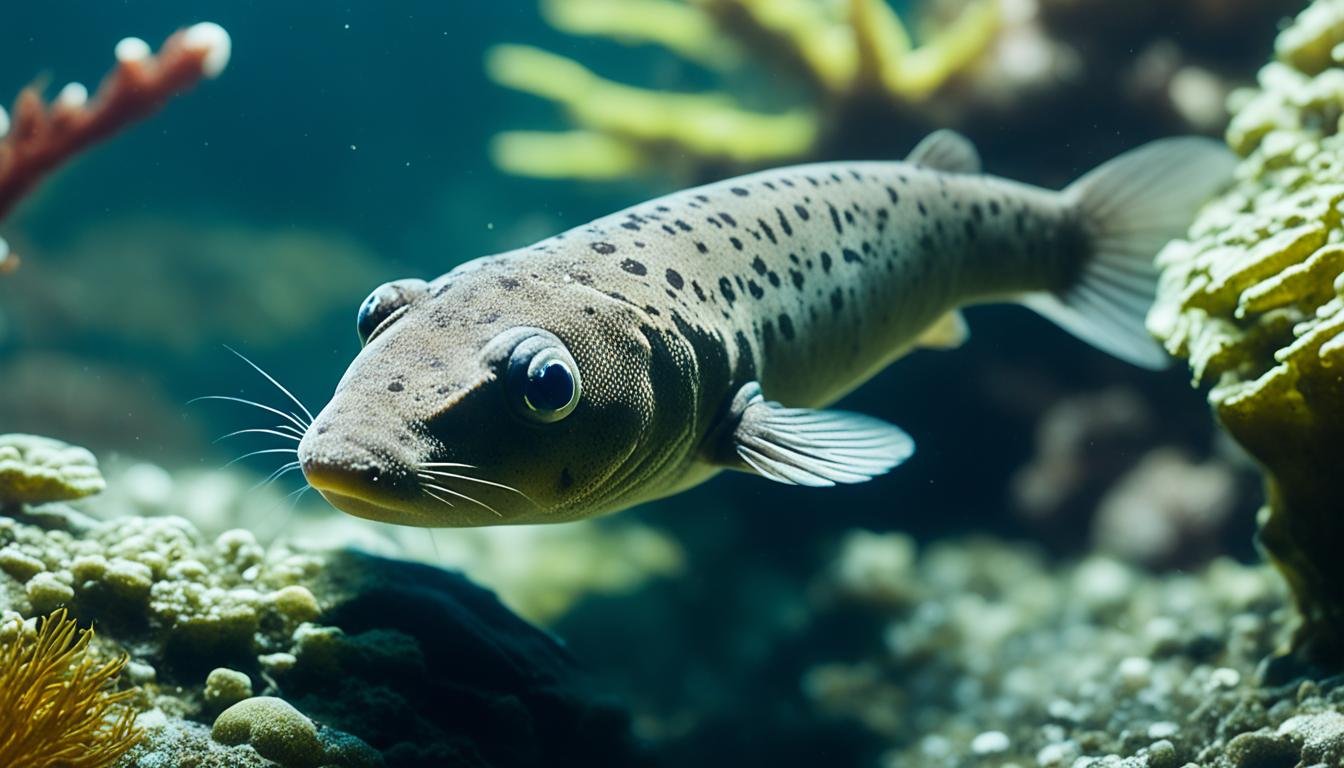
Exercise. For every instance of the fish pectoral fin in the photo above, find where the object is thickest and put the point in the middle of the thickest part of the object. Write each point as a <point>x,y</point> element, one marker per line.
<point>946,150</point>
<point>803,446</point>
<point>947,332</point>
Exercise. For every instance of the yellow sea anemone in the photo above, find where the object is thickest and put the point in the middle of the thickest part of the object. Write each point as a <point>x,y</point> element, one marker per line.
<point>57,708</point>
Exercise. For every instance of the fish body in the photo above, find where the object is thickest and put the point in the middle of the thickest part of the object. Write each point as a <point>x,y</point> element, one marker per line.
<point>631,358</point>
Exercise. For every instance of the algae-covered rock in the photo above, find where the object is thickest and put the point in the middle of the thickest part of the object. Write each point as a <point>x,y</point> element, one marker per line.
<point>1255,302</point>
<point>275,729</point>
<point>36,470</point>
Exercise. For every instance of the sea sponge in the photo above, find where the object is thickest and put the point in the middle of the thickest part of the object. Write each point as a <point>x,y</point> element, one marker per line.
<point>57,709</point>
<point>1254,300</point>
<point>36,470</point>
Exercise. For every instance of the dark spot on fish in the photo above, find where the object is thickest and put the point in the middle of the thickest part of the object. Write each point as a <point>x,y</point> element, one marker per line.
<point>699,292</point>
<point>508,283</point>
<point>714,221</point>
<point>395,386</point>
<point>669,230</point>
<point>969,226</point>
<point>793,258</point>
<point>639,243</point>
<point>755,290</point>
<point>769,233</point>
<point>802,212</point>
<point>787,183</point>
<point>634,267</point>
<point>849,217</point>
<point>701,247</point>
<point>786,326</point>
<point>652,311</point>
<point>811,180</point>
<point>769,185</point>
<point>826,261</point>
<point>729,220</point>
<point>741,286</point>
<point>977,212</point>
<point>835,218</point>
<point>740,192</point>
<point>736,243</point>
<point>663,209</point>
<point>683,226</point>
<point>855,175</point>
<point>702,198</point>
<point>851,256</point>
<point>674,279</point>
<point>589,311</point>
<point>773,277</point>
<point>768,334</point>
<point>784,223</point>
<point>892,196</point>
<point>603,248</point>
<point>797,278</point>
<point>923,210</point>
<point>630,225</point>
<point>994,208</point>
<point>758,264</point>
<point>726,288</point>
<point>835,177</point>
<point>837,300</point>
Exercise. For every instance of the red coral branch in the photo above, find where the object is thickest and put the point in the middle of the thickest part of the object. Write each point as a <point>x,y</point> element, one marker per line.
<point>44,136</point>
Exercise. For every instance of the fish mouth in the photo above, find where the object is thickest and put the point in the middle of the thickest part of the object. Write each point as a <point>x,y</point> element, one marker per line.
<point>348,491</point>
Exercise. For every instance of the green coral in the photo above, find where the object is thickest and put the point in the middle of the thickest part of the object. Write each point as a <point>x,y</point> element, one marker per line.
<point>36,470</point>
<point>847,55</point>
<point>1255,302</point>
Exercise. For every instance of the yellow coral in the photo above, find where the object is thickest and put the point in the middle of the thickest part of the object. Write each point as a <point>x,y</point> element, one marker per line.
<point>853,53</point>
<point>56,709</point>
<point>1255,302</point>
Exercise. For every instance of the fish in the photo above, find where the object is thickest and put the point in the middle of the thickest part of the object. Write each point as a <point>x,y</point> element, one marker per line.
<point>711,329</point>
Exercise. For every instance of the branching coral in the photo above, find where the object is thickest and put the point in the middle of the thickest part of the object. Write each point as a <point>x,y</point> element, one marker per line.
<point>57,709</point>
<point>851,55</point>
<point>1255,302</point>
<point>42,136</point>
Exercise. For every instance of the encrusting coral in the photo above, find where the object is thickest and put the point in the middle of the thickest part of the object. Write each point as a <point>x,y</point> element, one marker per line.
<point>40,137</point>
<point>57,706</point>
<point>850,54</point>
<point>36,469</point>
<point>1255,302</point>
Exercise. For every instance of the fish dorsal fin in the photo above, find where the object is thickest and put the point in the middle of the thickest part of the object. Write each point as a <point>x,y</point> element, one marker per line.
<point>947,332</point>
<point>946,150</point>
<point>802,446</point>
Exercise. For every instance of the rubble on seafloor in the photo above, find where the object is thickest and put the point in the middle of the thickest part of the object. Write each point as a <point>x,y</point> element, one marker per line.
<point>989,655</point>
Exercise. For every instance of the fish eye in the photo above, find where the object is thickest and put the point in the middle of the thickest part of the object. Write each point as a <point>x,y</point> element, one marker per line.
<point>543,379</point>
<point>385,301</point>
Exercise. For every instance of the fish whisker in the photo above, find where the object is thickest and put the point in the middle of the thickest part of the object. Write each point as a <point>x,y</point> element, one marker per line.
<point>447,464</point>
<point>259,431</point>
<point>437,497</point>
<point>277,474</point>
<point>277,384</point>
<point>260,452</point>
<point>229,398</point>
<point>428,475</point>
<point>463,496</point>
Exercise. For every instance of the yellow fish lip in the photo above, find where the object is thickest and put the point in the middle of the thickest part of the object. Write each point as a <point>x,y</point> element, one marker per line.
<point>348,490</point>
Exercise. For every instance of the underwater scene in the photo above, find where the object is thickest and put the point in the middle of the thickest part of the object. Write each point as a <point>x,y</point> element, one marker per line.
<point>874,383</point>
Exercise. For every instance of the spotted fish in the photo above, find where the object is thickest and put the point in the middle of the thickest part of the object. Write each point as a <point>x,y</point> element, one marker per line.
<point>639,355</point>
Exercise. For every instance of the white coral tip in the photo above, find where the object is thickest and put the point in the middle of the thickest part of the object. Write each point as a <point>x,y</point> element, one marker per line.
<point>4,123</point>
<point>211,38</point>
<point>132,49</point>
<point>72,96</point>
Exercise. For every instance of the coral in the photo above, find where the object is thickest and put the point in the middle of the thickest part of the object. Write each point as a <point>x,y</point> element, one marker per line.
<point>275,729</point>
<point>56,706</point>
<point>41,137</point>
<point>1253,302</point>
<point>34,470</point>
<point>849,55</point>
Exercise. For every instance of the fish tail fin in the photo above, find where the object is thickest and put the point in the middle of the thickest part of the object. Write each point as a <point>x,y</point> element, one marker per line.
<point>1130,208</point>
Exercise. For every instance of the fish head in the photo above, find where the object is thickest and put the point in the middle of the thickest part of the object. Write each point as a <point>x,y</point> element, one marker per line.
<point>482,399</point>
